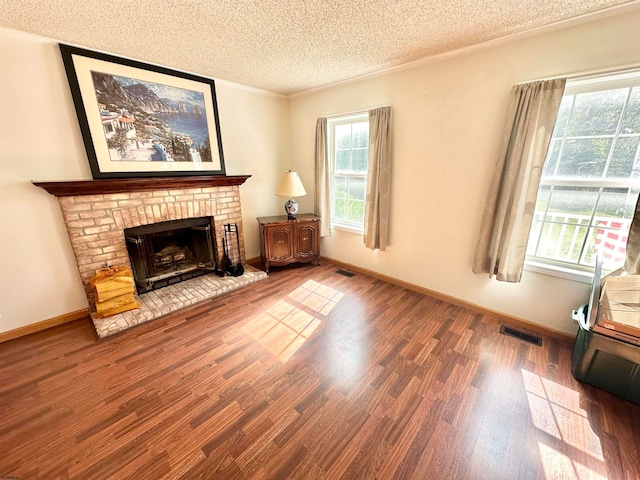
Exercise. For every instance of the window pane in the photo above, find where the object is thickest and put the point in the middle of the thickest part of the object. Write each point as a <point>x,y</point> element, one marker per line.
<point>589,254</point>
<point>340,208</point>
<point>552,158</point>
<point>597,113</point>
<point>343,161</point>
<point>563,116</point>
<point>572,204</point>
<point>356,188</point>
<point>562,241</point>
<point>360,135</point>
<point>618,203</point>
<point>340,187</point>
<point>356,211</point>
<point>631,119</point>
<point>584,158</point>
<point>610,241</point>
<point>541,202</point>
<point>534,234</point>
<point>343,136</point>
<point>360,160</point>
<point>623,159</point>
<point>538,216</point>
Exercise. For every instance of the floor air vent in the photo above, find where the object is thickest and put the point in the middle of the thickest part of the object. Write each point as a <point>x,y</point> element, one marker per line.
<point>512,332</point>
<point>346,273</point>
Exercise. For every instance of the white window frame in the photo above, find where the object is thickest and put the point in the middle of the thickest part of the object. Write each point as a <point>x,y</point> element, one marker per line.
<point>332,123</point>
<point>568,270</point>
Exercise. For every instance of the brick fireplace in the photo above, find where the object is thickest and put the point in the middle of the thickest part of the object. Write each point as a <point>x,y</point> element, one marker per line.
<point>97,212</point>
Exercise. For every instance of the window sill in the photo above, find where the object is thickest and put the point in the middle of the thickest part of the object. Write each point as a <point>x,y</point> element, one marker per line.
<point>347,228</point>
<point>560,272</point>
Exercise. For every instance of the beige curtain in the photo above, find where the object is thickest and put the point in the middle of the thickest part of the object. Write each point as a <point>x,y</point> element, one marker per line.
<point>632,262</point>
<point>322,196</point>
<point>376,210</point>
<point>502,243</point>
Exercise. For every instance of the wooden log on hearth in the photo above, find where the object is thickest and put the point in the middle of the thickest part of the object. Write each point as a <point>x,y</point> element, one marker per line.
<point>113,278</point>
<point>114,290</point>
<point>115,305</point>
<point>106,295</point>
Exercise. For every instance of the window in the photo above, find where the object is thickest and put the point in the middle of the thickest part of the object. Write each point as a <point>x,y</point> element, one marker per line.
<point>348,139</point>
<point>591,178</point>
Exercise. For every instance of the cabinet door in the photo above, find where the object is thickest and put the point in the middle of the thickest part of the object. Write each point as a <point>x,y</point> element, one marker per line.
<point>306,239</point>
<point>280,241</point>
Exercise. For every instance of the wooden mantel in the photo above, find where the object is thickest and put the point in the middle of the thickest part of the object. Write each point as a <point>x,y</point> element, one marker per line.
<point>119,185</point>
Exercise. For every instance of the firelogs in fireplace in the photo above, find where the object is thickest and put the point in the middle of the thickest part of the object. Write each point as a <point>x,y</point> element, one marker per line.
<point>171,256</point>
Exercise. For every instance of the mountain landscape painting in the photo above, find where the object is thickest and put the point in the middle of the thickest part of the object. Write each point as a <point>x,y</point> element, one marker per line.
<point>150,122</point>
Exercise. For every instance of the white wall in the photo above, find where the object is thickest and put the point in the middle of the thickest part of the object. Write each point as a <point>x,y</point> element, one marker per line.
<point>447,120</point>
<point>255,136</point>
<point>40,140</point>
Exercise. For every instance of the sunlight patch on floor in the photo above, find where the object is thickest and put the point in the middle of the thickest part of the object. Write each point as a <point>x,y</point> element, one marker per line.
<point>559,466</point>
<point>284,327</point>
<point>556,411</point>
<point>316,296</point>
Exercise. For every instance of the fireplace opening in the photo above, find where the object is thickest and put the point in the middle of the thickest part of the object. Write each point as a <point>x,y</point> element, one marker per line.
<point>169,252</point>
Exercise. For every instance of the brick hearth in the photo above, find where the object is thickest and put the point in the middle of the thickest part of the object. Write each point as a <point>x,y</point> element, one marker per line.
<point>174,297</point>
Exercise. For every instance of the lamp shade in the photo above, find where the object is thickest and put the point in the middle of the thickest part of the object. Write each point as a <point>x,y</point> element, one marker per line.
<point>290,185</point>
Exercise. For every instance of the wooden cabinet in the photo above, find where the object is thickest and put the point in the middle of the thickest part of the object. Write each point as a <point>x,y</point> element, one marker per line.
<point>284,241</point>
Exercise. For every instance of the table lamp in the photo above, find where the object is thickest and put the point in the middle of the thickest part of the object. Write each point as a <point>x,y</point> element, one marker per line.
<point>290,186</point>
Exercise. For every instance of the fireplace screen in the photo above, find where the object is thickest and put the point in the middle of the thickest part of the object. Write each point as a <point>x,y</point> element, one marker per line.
<point>168,252</point>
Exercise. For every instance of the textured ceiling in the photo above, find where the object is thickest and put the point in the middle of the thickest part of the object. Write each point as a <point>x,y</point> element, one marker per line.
<point>284,46</point>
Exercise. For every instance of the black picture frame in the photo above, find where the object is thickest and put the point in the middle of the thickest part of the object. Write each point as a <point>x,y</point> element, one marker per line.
<point>143,120</point>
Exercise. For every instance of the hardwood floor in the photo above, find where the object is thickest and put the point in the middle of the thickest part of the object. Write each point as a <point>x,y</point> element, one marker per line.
<point>309,374</point>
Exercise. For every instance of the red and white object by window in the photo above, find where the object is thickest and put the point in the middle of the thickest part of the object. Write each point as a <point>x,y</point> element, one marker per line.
<point>611,241</point>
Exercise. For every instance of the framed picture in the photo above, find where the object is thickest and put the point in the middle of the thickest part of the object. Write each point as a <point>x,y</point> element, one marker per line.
<point>142,120</point>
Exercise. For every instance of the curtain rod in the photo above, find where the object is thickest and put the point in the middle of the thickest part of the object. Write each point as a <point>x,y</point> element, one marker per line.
<point>354,113</point>
<point>630,68</point>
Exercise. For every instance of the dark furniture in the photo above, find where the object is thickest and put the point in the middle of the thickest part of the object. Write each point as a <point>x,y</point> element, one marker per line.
<point>600,360</point>
<point>284,241</point>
